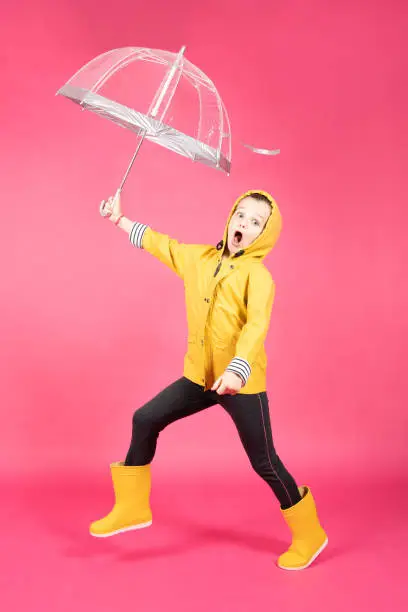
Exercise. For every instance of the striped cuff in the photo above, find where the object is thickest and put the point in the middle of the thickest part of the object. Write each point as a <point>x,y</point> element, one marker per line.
<point>241,367</point>
<point>136,234</point>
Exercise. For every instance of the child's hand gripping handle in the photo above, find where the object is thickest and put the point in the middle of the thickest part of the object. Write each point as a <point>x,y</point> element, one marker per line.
<point>112,208</point>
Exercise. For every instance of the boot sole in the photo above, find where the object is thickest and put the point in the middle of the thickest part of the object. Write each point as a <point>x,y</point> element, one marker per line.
<point>111,533</point>
<point>301,567</point>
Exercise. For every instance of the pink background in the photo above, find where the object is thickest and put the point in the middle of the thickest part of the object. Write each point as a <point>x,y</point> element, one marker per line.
<point>90,328</point>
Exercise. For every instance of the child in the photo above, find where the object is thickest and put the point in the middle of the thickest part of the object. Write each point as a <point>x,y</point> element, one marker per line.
<point>229,296</point>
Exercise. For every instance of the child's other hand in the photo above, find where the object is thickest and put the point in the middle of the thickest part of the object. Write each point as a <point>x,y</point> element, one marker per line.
<point>229,383</point>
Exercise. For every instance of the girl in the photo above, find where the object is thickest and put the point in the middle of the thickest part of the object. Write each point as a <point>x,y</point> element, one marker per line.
<point>229,297</point>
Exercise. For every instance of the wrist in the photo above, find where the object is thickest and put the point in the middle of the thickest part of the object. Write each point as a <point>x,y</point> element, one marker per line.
<point>238,377</point>
<point>241,368</point>
<point>116,220</point>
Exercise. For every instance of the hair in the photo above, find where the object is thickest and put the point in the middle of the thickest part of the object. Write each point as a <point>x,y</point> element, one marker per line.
<point>261,198</point>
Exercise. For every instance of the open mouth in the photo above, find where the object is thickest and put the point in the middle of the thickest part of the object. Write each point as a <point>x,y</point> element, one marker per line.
<point>237,238</point>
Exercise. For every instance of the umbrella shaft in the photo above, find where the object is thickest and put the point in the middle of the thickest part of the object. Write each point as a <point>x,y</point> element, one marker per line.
<point>141,136</point>
<point>155,109</point>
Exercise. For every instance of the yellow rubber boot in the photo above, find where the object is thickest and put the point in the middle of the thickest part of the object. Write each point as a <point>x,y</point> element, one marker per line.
<point>131,485</point>
<point>308,537</point>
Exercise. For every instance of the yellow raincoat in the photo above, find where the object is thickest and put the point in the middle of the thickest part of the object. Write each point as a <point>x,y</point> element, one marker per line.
<point>228,301</point>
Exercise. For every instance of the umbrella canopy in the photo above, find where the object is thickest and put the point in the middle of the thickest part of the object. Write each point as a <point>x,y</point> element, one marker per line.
<point>120,86</point>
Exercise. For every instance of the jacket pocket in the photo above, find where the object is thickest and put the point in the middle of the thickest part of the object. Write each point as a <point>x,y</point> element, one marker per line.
<point>224,341</point>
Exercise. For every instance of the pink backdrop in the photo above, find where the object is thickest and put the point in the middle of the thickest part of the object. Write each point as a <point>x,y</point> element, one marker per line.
<point>90,328</point>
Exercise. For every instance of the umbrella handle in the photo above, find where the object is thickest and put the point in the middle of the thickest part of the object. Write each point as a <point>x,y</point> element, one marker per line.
<point>102,211</point>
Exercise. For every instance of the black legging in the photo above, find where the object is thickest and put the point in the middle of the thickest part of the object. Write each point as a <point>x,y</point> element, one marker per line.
<point>251,417</point>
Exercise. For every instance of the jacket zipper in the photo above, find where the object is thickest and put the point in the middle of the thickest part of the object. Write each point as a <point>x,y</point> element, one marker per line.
<point>209,349</point>
<point>218,268</point>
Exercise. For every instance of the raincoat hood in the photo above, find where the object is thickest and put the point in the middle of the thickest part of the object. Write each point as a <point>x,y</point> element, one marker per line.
<point>267,239</point>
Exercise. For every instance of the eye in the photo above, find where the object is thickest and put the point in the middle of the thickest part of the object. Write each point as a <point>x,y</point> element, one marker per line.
<point>255,222</point>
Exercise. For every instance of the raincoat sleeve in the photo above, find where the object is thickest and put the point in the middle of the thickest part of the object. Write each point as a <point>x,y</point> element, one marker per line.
<point>261,293</point>
<point>167,250</point>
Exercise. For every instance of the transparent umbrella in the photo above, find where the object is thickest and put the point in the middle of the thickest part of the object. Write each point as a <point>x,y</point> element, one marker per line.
<point>135,88</point>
